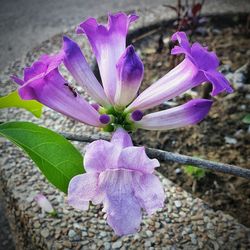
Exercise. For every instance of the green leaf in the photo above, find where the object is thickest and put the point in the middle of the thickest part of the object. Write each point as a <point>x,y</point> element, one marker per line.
<point>56,157</point>
<point>14,100</point>
<point>246,119</point>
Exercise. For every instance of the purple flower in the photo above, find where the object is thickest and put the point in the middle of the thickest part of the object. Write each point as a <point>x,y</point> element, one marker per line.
<point>108,44</point>
<point>120,176</point>
<point>198,66</point>
<point>43,82</point>
<point>206,62</point>
<point>117,100</point>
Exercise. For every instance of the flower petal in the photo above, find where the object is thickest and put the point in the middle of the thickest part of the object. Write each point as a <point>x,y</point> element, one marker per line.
<point>182,39</point>
<point>44,203</point>
<point>207,62</point>
<point>82,188</point>
<point>101,155</point>
<point>53,91</point>
<point>108,44</point>
<point>204,59</point>
<point>135,158</point>
<point>36,70</point>
<point>121,138</point>
<point>122,208</point>
<point>187,114</point>
<point>77,65</point>
<point>177,50</point>
<point>51,61</point>
<point>149,192</point>
<point>220,83</point>
<point>180,79</point>
<point>130,74</point>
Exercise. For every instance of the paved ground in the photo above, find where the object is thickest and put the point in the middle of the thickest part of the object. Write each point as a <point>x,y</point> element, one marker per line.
<point>26,23</point>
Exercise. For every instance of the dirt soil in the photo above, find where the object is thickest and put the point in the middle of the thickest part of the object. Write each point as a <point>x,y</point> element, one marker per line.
<point>209,139</point>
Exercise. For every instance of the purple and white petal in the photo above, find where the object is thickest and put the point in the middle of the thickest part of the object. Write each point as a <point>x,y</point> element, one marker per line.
<point>125,214</point>
<point>101,155</point>
<point>51,61</point>
<point>53,91</point>
<point>207,63</point>
<point>77,65</point>
<point>40,68</point>
<point>220,83</point>
<point>108,43</point>
<point>82,188</point>
<point>122,208</point>
<point>44,203</point>
<point>135,158</point>
<point>149,192</point>
<point>203,58</point>
<point>180,79</point>
<point>130,74</point>
<point>182,39</point>
<point>121,138</point>
<point>187,114</point>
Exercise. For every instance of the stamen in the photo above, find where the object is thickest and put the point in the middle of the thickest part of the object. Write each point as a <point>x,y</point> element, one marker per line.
<point>105,119</point>
<point>137,115</point>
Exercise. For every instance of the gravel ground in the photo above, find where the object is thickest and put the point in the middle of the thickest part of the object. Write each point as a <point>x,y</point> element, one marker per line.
<point>6,242</point>
<point>185,222</point>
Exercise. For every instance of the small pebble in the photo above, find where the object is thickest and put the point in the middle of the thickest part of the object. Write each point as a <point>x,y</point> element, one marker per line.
<point>84,234</point>
<point>178,203</point>
<point>45,233</point>
<point>103,234</point>
<point>71,233</point>
<point>230,140</point>
<point>210,226</point>
<point>106,245</point>
<point>178,171</point>
<point>117,244</point>
<point>37,224</point>
<point>149,233</point>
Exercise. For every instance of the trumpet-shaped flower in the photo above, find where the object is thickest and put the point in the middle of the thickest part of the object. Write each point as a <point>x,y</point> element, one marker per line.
<point>117,100</point>
<point>43,82</point>
<point>120,176</point>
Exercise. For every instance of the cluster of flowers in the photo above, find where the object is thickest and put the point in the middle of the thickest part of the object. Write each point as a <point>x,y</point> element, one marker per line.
<point>118,174</point>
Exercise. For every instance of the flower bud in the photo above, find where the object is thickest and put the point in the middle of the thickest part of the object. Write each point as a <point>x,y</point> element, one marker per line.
<point>130,74</point>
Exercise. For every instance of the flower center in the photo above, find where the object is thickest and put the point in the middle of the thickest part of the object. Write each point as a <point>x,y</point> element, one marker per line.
<point>114,118</point>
